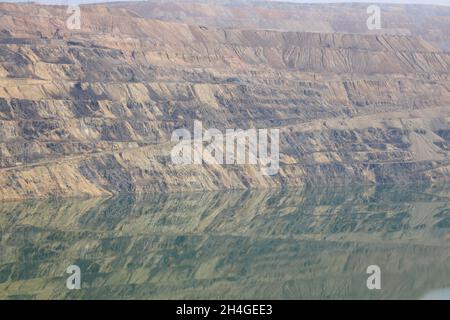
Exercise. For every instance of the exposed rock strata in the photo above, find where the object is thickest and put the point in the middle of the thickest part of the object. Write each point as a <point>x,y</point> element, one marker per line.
<point>429,22</point>
<point>91,112</point>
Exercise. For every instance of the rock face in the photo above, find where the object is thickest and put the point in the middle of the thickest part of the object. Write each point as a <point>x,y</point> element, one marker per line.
<point>91,111</point>
<point>429,22</point>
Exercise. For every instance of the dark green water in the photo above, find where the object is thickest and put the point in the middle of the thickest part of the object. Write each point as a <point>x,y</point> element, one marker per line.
<point>298,244</point>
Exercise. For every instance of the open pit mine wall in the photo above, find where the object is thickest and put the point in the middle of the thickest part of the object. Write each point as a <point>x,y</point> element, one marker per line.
<point>90,112</point>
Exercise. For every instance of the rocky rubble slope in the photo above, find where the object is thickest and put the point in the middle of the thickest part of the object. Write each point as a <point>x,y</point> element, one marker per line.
<point>91,111</point>
<point>430,22</point>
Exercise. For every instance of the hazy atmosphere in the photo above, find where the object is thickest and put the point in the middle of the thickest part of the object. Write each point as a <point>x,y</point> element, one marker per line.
<point>224,149</point>
<point>440,2</point>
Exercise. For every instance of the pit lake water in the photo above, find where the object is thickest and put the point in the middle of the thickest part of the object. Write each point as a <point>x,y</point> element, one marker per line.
<point>283,244</point>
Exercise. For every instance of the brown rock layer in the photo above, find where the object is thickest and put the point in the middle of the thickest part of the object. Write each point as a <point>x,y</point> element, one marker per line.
<point>91,112</point>
<point>429,22</point>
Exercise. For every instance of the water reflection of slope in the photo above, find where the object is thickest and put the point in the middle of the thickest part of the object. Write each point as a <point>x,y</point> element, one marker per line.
<point>311,243</point>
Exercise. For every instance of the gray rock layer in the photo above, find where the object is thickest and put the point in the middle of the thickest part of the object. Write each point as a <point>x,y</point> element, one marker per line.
<point>90,112</point>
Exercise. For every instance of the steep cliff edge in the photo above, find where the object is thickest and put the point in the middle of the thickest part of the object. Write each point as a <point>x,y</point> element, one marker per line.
<point>91,112</point>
